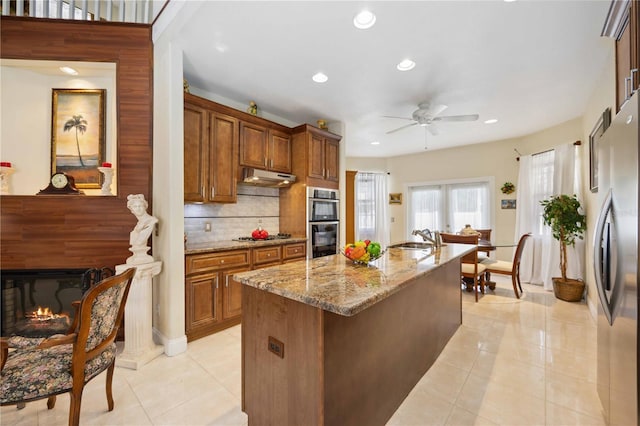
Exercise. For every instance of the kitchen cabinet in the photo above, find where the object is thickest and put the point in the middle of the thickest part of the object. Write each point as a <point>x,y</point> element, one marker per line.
<point>293,252</point>
<point>210,152</point>
<point>316,156</point>
<point>213,299</point>
<point>267,256</point>
<point>212,296</point>
<point>264,148</point>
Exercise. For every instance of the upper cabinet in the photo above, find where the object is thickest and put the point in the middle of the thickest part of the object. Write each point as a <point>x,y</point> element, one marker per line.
<point>623,24</point>
<point>316,156</point>
<point>265,148</point>
<point>210,152</point>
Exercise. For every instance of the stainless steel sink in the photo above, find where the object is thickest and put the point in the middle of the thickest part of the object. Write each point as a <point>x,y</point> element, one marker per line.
<point>413,245</point>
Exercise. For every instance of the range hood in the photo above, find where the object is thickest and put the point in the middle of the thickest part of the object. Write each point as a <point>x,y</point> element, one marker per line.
<point>259,177</point>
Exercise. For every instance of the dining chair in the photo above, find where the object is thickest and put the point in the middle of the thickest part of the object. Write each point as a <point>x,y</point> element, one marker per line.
<point>485,234</point>
<point>470,267</point>
<point>38,368</point>
<point>509,268</point>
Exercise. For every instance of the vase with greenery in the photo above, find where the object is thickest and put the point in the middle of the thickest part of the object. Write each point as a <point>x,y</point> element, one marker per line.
<point>563,214</point>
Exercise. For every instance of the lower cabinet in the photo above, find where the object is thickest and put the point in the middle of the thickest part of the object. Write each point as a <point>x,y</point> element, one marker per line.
<point>213,299</point>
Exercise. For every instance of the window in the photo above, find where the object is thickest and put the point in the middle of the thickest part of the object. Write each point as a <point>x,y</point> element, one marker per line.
<point>371,207</point>
<point>449,207</point>
<point>541,187</point>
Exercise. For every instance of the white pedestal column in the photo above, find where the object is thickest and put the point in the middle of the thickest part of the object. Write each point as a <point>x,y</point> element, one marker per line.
<point>139,347</point>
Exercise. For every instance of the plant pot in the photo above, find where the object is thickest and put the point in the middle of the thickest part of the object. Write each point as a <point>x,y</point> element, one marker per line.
<point>569,290</point>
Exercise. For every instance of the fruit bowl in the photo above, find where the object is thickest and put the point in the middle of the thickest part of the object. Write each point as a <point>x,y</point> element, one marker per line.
<point>362,261</point>
<point>362,252</point>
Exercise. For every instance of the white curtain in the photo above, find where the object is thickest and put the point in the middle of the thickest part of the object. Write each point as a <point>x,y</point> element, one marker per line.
<point>371,208</point>
<point>542,175</point>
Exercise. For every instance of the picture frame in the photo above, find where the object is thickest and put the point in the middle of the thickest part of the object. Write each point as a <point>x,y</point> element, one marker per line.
<point>508,204</point>
<point>78,143</point>
<point>604,121</point>
<point>395,198</point>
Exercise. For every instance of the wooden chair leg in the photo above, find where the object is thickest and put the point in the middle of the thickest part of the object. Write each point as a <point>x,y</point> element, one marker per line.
<point>475,286</point>
<point>74,410</point>
<point>51,402</point>
<point>515,286</point>
<point>518,277</point>
<point>108,386</point>
<point>21,405</point>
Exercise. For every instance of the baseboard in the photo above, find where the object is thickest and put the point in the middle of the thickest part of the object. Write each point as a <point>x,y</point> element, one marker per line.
<point>172,347</point>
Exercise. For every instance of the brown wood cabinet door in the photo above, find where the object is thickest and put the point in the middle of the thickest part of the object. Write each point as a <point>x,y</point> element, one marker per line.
<point>201,293</point>
<point>222,158</point>
<point>316,156</point>
<point>331,158</point>
<point>232,294</point>
<point>279,151</point>
<point>196,149</point>
<point>253,146</point>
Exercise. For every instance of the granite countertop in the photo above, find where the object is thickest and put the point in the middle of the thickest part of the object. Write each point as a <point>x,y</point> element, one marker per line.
<point>212,247</point>
<point>336,284</point>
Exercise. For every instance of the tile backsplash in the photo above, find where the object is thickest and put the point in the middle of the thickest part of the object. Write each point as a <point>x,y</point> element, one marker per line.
<point>256,206</point>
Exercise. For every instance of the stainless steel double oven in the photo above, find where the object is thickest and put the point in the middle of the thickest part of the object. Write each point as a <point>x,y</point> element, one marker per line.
<point>323,222</point>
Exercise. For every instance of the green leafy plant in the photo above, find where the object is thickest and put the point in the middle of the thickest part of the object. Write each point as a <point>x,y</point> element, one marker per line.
<point>508,188</point>
<point>562,214</point>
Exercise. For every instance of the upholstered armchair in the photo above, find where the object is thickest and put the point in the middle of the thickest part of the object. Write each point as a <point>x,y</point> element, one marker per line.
<point>38,368</point>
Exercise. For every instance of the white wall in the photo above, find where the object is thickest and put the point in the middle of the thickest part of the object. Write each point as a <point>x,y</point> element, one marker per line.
<point>25,123</point>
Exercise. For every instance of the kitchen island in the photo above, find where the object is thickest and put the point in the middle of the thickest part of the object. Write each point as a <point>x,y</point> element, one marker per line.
<point>327,341</point>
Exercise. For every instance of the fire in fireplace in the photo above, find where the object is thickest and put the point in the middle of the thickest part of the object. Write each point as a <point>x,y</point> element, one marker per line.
<point>38,303</point>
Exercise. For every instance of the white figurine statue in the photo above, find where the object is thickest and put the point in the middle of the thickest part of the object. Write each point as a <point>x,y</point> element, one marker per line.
<point>142,231</point>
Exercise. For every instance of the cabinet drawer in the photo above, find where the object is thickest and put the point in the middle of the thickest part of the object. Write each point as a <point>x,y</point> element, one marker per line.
<point>266,255</point>
<point>293,251</point>
<point>215,261</point>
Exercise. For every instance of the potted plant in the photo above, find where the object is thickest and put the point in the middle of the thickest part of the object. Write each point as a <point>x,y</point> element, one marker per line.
<point>562,214</point>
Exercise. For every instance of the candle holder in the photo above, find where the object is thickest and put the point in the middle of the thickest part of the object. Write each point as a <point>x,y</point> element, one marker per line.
<point>5,179</point>
<point>108,178</point>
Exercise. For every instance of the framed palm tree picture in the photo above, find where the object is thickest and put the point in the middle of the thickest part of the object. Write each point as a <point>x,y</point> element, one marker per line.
<point>78,134</point>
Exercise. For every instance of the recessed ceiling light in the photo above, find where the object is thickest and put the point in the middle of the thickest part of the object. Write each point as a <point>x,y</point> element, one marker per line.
<point>509,1</point>
<point>364,20</point>
<point>491,121</point>
<point>375,143</point>
<point>406,65</point>
<point>68,70</point>
<point>320,77</point>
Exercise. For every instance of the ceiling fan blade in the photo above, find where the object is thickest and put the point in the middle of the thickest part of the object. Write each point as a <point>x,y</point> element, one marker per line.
<point>401,118</point>
<point>433,129</point>
<point>470,117</point>
<point>400,128</point>
<point>426,108</point>
<point>436,109</point>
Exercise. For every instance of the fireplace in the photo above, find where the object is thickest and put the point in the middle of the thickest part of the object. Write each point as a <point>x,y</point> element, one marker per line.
<point>38,303</point>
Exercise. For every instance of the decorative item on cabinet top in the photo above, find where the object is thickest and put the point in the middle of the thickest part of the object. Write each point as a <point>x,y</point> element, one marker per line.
<point>253,108</point>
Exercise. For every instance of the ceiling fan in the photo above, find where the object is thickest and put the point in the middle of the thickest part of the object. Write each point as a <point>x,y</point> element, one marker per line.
<point>426,115</point>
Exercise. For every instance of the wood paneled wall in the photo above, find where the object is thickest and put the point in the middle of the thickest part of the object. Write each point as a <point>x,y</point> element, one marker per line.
<point>39,232</point>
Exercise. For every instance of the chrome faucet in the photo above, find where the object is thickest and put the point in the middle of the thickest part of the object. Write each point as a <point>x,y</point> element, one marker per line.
<point>427,235</point>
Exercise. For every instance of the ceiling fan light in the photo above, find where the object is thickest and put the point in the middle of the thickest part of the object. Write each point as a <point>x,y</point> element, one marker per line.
<point>375,143</point>
<point>406,65</point>
<point>320,77</point>
<point>364,20</point>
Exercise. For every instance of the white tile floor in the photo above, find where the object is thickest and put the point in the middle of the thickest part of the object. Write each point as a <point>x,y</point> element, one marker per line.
<point>512,362</point>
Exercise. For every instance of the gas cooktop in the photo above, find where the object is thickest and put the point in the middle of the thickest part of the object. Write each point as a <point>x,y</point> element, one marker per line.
<point>279,236</point>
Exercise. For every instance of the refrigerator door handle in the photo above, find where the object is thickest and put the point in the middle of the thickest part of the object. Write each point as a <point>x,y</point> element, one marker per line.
<point>602,257</point>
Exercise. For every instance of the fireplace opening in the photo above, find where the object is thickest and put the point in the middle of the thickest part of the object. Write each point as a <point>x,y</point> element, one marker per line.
<point>38,303</point>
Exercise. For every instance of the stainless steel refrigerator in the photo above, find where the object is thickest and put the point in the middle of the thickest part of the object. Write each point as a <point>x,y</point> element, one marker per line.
<point>616,266</point>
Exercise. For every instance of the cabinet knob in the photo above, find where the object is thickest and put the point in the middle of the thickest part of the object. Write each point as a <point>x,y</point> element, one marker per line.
<point>221,260</point>
<point>295,251</point>
<point>268,254</point>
